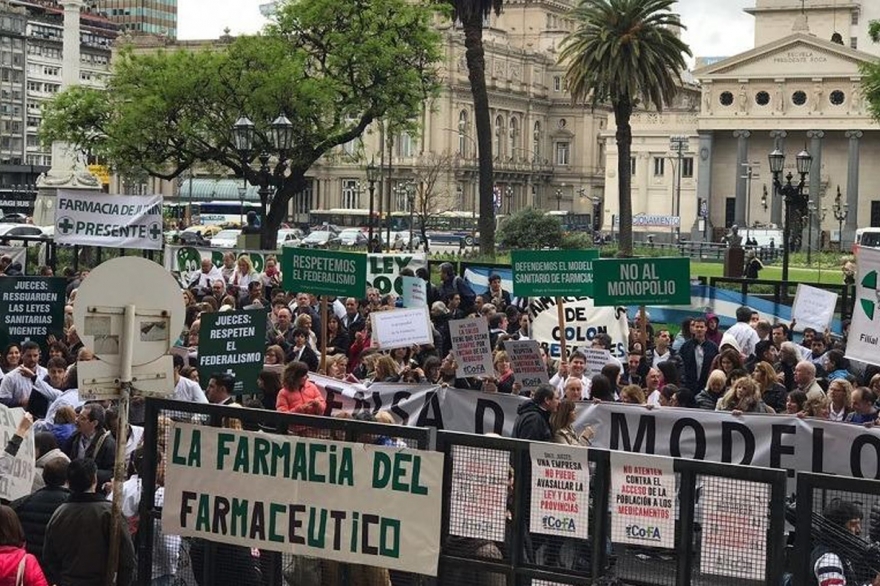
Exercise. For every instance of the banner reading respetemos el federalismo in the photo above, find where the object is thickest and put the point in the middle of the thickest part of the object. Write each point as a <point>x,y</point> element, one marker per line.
<point>349,502</point>
<point>93,218</point>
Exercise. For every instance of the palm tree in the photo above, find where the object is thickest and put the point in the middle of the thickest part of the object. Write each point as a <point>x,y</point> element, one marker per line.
<point>625,52</point>
<point>471,14</point>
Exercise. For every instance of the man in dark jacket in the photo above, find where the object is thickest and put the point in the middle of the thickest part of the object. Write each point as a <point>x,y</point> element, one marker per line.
<point>533,417</point>
<point>77,543</point>
<point>450,284</point>
<point>697,355</point>
<point>35,510</point>
<point>91,440</point>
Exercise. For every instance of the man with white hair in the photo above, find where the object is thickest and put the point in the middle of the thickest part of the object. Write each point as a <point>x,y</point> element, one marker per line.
<point>805,379</point>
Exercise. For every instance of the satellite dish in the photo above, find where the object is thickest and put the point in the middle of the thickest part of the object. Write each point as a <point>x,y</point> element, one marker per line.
<point>98,311</point>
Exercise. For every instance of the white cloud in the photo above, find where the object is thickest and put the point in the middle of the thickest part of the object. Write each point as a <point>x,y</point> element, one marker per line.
<point>715,27</point>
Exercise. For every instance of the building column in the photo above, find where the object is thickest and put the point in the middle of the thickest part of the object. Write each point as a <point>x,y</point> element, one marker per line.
<point>852,189</point>
<point>778,137</point>
<point>742,157</point>
<point>815,137</point>
<point>699,232</point>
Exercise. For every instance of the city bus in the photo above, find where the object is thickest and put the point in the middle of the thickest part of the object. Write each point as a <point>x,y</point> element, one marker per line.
<point>573,221</point>
<point>343,218</point>
<point>220,213</point>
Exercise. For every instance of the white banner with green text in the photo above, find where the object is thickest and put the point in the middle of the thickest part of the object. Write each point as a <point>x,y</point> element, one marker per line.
<point>354,503</point>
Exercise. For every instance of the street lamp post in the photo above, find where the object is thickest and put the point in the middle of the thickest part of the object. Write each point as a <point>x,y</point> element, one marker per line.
<point>278,142</point>
<point>840,211</point>
<point>372,178</point>
<point>793,195</point>
<point>508,193</point>
<point>558,199</point>
<point>411,201</point>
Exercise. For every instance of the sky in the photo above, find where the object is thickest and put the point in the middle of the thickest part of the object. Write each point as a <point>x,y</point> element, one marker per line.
<point>716,28</point>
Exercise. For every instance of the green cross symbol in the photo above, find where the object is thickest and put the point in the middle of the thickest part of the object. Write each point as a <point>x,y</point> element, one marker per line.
<point>155,231</point>
<point>66,225</point>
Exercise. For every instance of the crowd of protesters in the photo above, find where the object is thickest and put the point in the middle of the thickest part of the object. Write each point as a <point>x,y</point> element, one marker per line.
<point>752,367</point>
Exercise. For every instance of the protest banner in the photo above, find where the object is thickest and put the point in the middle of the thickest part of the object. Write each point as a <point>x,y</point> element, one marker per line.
<point>354,503</point>
<point>478,493</point>
<point>18,481</point>
<point>401,328</point>
<point>415,292</point>
<point>32,309</point>
<point>383,271</point>
<point>324,272</point>
<point>642,281</point>
<point>527,363</point>
<point>583,320</point>
<point>863,342</point>
<point>734,537</point>
<point>186,261</point>
<point>553,273</point>
<point>94,218</point>
<point>813,308</point>
<point>470,346</point>
<point>642,500</point>
<point>560,490</point>
<point>779,441</point>
<point>233,342</point>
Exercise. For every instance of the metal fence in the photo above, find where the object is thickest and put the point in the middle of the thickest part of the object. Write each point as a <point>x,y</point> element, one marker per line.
<point>781,293</point>
<point>43,250</point>
<point>487,481</point>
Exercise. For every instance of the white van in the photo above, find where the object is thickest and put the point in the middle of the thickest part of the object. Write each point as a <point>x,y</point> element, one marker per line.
<point>867,237</point>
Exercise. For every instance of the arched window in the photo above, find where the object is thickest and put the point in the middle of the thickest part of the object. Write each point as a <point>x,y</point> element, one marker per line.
<point>514,137</point>
<point>462,133</point>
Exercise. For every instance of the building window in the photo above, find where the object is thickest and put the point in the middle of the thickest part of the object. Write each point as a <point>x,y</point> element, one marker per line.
<point>557,83</point>
<point>350,194</point>
<point>302,202</point>
<point>536,141</point>
<point>875,214</point>
<point>499,136</point>
<point>854,42</point>
<point>729,211</point>
<point>514,137</point>
<point>659,166</point>
<point>563,153</point>
<point>632,166</point>
<point>837,97</point>
<point>799,98</point>
<point>726,98</point>
<point>462,136</point>
<point>762,98</point>
<point>687,167</point>
<point>855,18</point>
<point>405,145</point>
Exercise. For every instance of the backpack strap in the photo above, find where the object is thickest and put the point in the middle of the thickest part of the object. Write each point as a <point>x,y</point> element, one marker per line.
<point>19,575</point>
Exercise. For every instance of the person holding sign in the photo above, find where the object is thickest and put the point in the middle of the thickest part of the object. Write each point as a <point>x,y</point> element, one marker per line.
<point>15,390</point>
<point>575,368</point>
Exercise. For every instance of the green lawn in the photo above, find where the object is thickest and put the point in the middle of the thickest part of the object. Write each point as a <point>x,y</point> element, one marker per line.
<point>774,273</point>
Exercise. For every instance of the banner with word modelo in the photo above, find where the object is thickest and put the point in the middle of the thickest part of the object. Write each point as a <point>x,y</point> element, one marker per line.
<point>233,342</point>
<point>583,320</point>
<point>18,481</point>
<point>116,221</point>
<point>863,342</point>
<point>642,500</point>
<point>354,503</point>
<point>773,441</point>
<point>383,271</point>
<point>560,490</point>
<point>32,309</point>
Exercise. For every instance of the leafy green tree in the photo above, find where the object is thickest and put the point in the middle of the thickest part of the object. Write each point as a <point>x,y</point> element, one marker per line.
<point>871,73</point>
<point>471,14</point>
<point>529,229</point>
<point>332,67</point>
<point>624,52</point>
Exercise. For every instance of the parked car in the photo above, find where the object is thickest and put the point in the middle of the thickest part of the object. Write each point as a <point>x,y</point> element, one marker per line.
<point>225,239</point>
<point>289,237</point>
<point>12,230</point>
<point>352,238</point>
<point>320,239</point>
<point>14,218</point>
